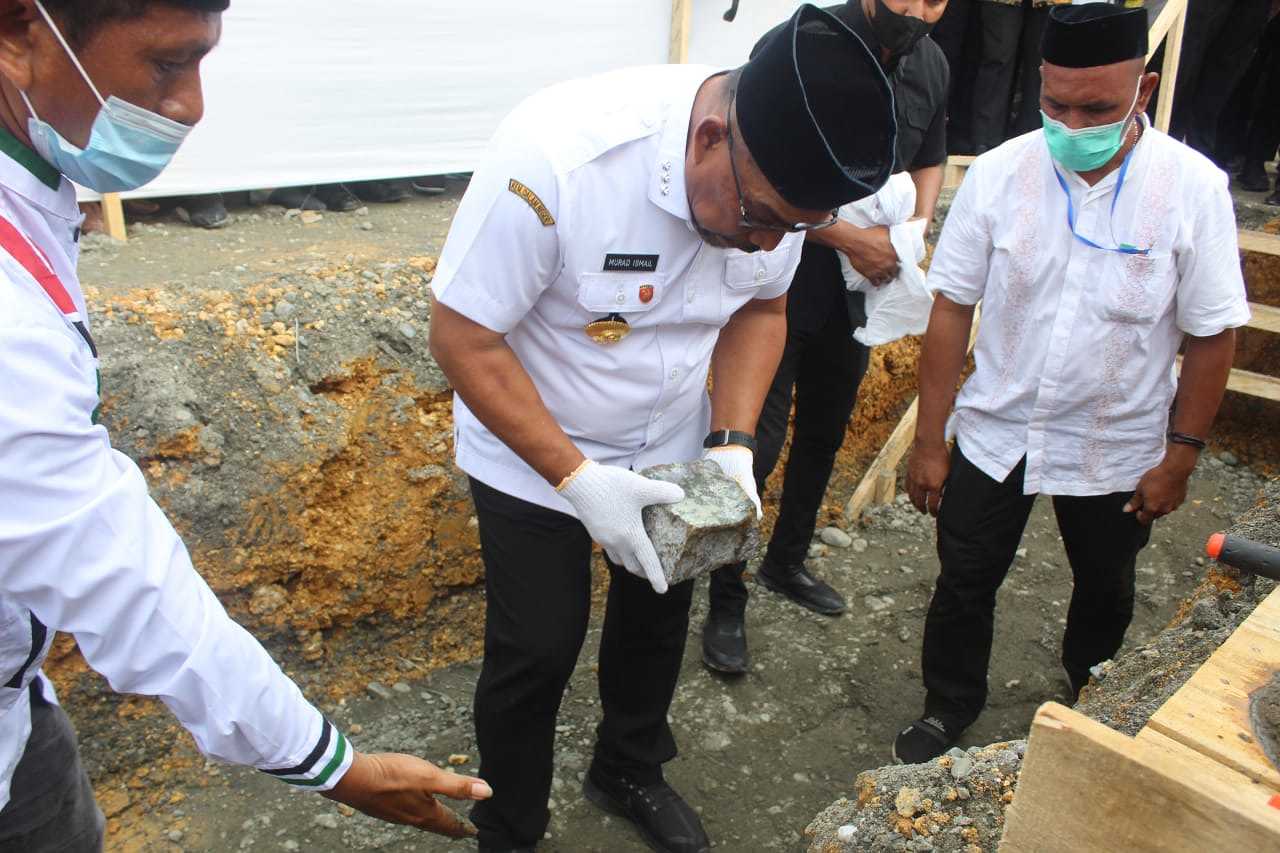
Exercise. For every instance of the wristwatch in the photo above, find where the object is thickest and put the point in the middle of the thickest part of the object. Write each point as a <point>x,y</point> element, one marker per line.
<point>724,437</point>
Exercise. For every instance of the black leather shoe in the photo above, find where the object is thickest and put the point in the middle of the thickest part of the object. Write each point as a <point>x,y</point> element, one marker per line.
<point>804,589</point>
<point>663,818</point>
<point>724,644</point>
<point>1253,178</point>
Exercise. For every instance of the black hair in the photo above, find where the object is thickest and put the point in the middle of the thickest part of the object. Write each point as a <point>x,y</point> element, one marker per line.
<point>80,19</point>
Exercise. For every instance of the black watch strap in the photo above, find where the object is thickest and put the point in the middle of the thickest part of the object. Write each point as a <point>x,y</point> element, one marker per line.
<point>723,437</point>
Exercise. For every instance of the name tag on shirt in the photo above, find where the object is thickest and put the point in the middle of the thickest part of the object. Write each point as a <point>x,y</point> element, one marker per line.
<point>630,263</point>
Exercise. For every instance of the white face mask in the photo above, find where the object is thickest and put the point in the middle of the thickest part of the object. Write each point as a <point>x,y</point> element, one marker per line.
<point>128,145</point>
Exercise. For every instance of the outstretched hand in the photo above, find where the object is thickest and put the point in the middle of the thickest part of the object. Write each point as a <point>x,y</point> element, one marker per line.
<point>402,789</point>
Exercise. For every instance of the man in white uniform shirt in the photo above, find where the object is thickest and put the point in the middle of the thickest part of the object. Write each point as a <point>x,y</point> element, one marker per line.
<point>627,233</point>
<point>83,548</point>
<point>1098,246</point>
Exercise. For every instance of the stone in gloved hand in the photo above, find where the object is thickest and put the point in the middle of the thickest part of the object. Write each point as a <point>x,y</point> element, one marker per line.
<point>713,526</point>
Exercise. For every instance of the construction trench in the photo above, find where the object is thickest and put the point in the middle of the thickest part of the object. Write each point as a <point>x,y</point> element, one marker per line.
<point>272,380</point>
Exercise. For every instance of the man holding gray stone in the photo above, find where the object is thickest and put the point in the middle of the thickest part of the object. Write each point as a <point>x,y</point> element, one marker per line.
<point>627,234</point>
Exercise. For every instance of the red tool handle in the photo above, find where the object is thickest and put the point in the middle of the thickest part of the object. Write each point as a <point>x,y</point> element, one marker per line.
<point>1245,555</point>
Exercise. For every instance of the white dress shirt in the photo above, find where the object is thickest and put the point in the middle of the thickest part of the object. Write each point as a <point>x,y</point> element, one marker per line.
<point>84,549</point>
<point>609,232</point>
<point>1076,346</point>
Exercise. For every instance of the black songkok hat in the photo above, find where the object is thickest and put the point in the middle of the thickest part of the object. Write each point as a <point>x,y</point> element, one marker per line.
<point>1094,34</point>
<point>816,113</point>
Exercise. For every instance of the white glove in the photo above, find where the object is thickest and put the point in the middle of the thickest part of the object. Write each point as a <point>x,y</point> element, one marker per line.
<point>608,501</point>
<point>738,464</point>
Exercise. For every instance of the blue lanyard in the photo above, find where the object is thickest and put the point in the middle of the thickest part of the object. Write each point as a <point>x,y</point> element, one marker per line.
<point>1123,248</point>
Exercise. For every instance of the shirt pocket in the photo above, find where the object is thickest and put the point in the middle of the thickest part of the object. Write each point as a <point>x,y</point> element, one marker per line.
<point>1141,288</point>
<point>626,293</point>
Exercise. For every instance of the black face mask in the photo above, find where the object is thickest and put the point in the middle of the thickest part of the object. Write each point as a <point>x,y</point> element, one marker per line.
<point>897,33</point>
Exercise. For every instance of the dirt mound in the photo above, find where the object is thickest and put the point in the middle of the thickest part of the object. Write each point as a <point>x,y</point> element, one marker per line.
<point>954,804</point>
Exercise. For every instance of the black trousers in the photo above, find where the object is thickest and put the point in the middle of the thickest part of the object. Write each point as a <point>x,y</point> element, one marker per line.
<point>1264,120</point>
<point>822,366</point>
<point>958,33</point>
<point>1010,51</point>
<point>1217,46</point>
<point>51,806</point>
<point>979,527</point>
<point>538,586</point>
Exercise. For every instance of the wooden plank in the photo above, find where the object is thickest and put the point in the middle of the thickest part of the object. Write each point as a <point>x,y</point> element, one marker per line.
<point>1204,764</point>
<point>681,22</point>
<point>886,461</point>
<point>1085,788</point>
<point>1264,317</point>
<point>1259,241</point>
<point>1172,56</point>
<point>1210,713</point>
<point>1163,23</point>
<point>1248,382</point>
<point>956,166</point>
<point>113,216</point>
<point>1254,384</point>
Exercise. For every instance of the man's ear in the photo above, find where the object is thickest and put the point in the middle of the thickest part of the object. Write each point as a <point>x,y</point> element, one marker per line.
<point>1147,87</point>
<point>18,22</point>
<point>708,134</point>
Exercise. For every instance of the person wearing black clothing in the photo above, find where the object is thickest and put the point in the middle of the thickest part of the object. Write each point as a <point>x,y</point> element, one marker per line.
<point>1263,135</point>
<point>1219,41</point>
<point>1010,32</point>
<point>822,361</point>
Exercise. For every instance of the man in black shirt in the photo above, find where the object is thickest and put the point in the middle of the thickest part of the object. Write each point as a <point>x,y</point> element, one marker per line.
<point>822,361</point>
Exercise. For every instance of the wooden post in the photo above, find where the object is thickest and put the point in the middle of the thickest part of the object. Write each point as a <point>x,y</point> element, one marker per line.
<point>113,216</point>
<point>681,21</point>
<point>1169,70</point>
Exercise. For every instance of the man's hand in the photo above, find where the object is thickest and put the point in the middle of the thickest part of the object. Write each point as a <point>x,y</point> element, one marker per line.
<point>927,471</point>
<point>1163,489</point>
<point>871,253</point>
<point>401,789</point>
<point>737,463</point>
<point>608,500</point>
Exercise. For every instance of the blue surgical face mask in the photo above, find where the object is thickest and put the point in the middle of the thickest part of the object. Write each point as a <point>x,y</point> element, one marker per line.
<point>1086,148</point>
<point>128,145</point>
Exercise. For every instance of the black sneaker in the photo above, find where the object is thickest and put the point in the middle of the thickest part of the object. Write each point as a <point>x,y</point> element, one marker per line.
<point>804,589</point>
<point>924,740</point>
<point>663,818</point>
<point>724,643</point>
<point>296,198</point>
<point>1253,178</point>
<point>338,197</point>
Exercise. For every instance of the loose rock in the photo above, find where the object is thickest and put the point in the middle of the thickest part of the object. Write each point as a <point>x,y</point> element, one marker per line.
<point>713,526</point>
<point>835,537</point>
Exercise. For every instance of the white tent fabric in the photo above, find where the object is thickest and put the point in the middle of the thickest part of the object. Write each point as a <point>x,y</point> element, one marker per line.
<point>319,91</point>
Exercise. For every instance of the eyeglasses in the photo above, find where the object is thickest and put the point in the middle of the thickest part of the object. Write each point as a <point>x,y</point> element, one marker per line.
<point>745,220</point>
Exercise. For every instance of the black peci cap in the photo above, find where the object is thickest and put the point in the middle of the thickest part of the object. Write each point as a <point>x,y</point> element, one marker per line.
<point>816,112</point>
<point>1094,34</point>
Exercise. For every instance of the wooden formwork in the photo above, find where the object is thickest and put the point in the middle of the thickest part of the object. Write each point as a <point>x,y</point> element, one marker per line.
<point>1193,780</point>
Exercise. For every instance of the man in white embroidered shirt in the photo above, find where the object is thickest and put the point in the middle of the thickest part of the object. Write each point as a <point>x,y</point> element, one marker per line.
<point>1098,246</point>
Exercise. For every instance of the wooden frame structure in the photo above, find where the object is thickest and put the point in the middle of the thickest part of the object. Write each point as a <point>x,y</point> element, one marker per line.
<point>879,481</point>
<point>1194,779</point>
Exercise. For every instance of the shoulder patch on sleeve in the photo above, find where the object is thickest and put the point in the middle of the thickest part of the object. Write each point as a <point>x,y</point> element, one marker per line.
<point>531,199</point>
